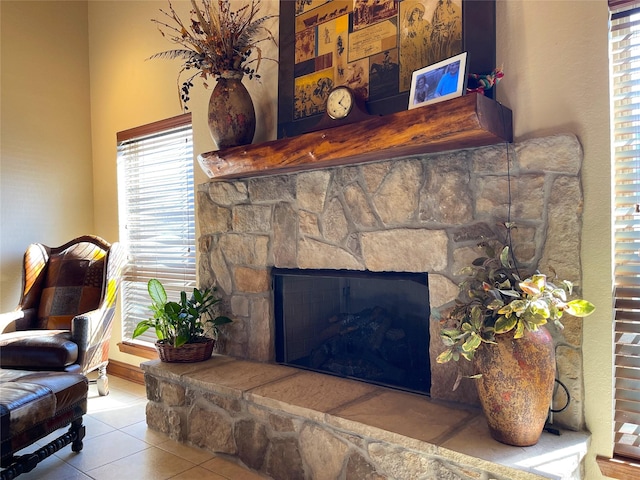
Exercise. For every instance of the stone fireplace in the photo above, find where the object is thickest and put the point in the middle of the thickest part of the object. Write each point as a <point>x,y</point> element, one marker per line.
<point>415,215</point>
<point>420,214</point>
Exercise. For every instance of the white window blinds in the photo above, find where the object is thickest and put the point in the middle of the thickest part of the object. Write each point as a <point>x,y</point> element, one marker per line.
<point>157,214</point>
<point>625,59</point>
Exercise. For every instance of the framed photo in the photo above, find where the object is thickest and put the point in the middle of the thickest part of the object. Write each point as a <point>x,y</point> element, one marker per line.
<point>373,47</point>
<point>438,82</point>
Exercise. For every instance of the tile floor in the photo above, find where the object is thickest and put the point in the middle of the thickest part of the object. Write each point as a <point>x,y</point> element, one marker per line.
<point>118,445</point>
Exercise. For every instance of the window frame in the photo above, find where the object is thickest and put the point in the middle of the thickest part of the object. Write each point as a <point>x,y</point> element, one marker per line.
<point>160,129</point>
<point>625,101</point>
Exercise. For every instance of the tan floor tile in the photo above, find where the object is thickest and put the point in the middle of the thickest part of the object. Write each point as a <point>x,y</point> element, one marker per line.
<point>102,450</point>
<point>53,468</point>
<point>152,464</point>
<point>121,385</point>
<point>198,473</point>
<point>143,432</point>
<point>192,454</point>
<point>115,399</point>
<point>230,470</point>
<point>118,386</point>
<point>93,428</point>
<point>122,416</point>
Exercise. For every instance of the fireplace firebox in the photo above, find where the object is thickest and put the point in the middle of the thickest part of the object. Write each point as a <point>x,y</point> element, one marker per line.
<point>368,326</point>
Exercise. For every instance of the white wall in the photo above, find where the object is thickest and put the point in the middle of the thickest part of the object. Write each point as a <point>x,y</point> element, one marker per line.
<point>555,56</point>
<point>127,91</point>
<point>46,190</point>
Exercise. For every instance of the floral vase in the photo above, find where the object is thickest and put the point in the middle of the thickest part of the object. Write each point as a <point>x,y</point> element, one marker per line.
<point>516,386</point>
<point>232,118</point>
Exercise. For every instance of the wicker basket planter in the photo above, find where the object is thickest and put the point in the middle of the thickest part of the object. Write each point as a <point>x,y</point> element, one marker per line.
<point>186,320</point>
<point>189,352</point>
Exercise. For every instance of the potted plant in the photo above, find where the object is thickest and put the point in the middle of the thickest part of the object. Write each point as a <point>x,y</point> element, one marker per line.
<point>224,44</point>
<point>186,330</point>
<point>498,324</point>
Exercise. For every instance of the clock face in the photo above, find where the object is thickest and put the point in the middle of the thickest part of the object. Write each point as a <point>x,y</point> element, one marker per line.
<point>339,102</point>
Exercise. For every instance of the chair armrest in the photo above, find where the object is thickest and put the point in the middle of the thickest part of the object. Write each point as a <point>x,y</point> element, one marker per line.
<point>91,331</point>
<point>91,328</point>
<point>17,320</point>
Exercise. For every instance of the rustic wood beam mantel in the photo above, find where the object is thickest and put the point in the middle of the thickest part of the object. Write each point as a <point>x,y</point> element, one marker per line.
<point>465,122</point>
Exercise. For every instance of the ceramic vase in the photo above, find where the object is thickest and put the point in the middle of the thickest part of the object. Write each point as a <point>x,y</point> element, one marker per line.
<point>516,386</point>
<point>231,115</point>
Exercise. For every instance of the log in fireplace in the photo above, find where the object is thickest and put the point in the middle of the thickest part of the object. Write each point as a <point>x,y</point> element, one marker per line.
<point>369,326</point>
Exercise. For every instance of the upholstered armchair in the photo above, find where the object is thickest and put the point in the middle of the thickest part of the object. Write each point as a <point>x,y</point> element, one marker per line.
<point>64,317</point>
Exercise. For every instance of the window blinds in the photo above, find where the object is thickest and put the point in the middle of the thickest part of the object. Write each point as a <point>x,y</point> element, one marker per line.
<point>157,215</point>
<point>625,70</point>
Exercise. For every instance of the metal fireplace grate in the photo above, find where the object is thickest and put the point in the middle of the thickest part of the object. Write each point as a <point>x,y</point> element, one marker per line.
<point>369,326</point>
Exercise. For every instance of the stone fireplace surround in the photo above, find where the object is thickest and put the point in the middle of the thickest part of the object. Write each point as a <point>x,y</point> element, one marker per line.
<point>413,214</point>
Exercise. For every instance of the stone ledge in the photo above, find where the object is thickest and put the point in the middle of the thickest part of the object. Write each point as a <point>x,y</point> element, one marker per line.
<point>385,425</point>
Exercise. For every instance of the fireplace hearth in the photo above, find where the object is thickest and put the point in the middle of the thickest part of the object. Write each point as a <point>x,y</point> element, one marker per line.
<point>368,326</point>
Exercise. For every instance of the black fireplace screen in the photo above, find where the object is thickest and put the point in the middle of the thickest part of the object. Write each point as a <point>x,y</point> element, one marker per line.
<point>368,326</point>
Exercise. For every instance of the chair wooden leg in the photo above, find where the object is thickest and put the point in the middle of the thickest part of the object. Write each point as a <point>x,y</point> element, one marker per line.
<point>102,382</point>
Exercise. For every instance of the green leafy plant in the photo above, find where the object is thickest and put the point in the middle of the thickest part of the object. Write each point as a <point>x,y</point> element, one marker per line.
<point>186,321</point>
<point>214,40</point>
<point>494,300</point>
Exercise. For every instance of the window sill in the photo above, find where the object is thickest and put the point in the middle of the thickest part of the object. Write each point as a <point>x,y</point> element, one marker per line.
<point>138,350</point>
<point>619,467</point>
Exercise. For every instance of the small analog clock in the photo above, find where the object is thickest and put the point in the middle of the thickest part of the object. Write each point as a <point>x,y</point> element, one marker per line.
<point>343,106</point>
<point>340,102</point>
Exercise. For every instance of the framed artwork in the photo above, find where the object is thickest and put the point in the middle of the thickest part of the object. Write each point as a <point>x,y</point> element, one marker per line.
<point>372,47</point>
<point>438,82</point>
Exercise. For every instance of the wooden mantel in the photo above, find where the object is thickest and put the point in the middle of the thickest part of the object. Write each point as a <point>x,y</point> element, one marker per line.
<point>465,122</point>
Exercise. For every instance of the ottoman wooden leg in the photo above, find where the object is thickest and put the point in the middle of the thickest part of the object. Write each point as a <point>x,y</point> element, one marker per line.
<point>78,431</point>
<point>34,404</point>
<point>26,463</point>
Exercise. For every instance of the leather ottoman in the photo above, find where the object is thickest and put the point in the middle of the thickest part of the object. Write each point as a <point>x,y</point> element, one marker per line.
<point>32,405</point>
